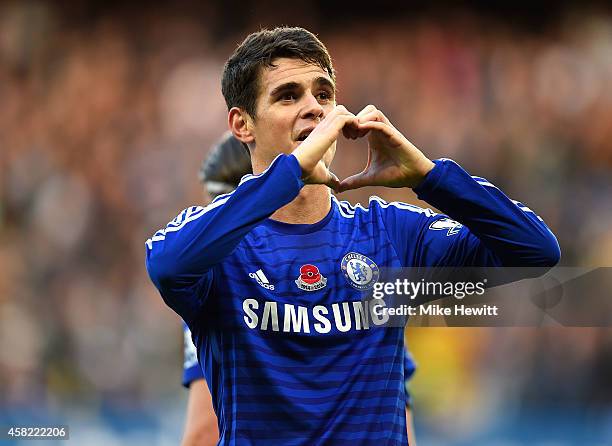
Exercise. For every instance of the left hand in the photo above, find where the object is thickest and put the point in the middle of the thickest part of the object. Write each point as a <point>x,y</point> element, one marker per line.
<point>393,161</point>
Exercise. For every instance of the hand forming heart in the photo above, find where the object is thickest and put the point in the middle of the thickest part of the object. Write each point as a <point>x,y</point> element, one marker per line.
<point>393,161</point>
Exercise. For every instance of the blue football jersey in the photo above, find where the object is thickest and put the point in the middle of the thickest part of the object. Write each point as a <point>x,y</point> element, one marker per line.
<point>192,370</point>
<point>291,353</point>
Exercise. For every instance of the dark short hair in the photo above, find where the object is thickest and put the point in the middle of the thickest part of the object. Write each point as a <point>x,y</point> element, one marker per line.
<point>241,73</point>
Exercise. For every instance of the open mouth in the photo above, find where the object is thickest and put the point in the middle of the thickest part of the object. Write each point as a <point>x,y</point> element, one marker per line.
<point>304,134</point>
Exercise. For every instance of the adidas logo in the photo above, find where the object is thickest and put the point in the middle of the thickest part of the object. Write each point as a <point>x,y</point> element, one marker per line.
<point>261,279</point>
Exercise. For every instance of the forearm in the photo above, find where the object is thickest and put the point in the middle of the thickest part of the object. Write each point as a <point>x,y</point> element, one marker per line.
<point>516,235</point>
<point>201,422</point>
<point>410,427</point>
<point>201,237</point>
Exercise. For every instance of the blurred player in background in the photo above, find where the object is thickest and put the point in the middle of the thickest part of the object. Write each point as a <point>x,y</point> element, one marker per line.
<point>269,278</point>
<point>221,172</point>
<point>201,422</point>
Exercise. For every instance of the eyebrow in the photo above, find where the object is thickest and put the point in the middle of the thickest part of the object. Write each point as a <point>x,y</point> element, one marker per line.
<point>285,87</point>
<point>294,86</point>
<point>326,82</point>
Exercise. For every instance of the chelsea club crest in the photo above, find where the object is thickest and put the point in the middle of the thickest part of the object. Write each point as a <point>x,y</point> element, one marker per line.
<point>360,271</point>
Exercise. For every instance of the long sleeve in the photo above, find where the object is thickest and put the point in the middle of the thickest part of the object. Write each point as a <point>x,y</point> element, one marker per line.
<point>485,227</point>
<point>180,257</point>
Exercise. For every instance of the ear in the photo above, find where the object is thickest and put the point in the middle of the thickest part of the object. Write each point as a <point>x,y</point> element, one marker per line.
<point>241,125</point>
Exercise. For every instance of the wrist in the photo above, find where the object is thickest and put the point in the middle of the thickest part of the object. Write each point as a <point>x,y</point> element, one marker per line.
<point>421,170</point>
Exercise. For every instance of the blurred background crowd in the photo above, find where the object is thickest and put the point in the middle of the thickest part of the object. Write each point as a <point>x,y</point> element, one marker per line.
<point>107,110</point>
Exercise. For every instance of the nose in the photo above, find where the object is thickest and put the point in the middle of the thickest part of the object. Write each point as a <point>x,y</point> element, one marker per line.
<point>312,108</point>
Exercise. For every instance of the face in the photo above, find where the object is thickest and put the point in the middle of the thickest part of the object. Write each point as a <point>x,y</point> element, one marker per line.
<point>294,97</point>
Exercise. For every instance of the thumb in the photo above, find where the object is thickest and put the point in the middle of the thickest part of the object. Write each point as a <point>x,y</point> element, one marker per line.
<point>332,181</point>
<point>356,181</point>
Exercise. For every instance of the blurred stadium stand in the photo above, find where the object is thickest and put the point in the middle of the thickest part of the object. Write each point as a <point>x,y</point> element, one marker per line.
<point>106,110</point>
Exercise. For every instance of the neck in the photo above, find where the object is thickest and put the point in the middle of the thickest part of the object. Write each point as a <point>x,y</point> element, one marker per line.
<point>309,207</point>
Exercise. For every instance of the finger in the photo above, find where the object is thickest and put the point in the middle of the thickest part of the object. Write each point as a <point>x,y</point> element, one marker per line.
<point>322,137</point>
<point>340,110</point>
<point>388,129</point>
<point>348,125</point>
<point>332,181</point>
<point>322,175</point>
<point>374,115</point>
<point>325,176</point>
<point>351,129</point>
<point>368,110</point>
<point>365,110</point>
<point>356,181</point>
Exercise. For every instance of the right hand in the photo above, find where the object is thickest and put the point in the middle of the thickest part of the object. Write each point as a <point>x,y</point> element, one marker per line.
<point>310,153</point>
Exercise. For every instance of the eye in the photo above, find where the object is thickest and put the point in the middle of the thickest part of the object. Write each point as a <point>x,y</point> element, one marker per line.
<point>325,96</point>
<point>288,96</point>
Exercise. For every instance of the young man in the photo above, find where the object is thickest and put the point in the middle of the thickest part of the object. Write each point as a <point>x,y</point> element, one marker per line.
<point>291,353</point>
<point>221,172</point>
